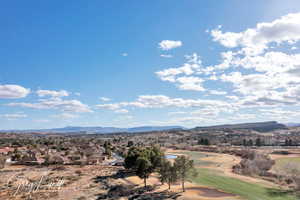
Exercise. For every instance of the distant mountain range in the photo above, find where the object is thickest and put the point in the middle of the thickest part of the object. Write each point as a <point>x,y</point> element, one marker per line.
<point>292,124</point>
<point>257,126</point>
<point>100,130</point>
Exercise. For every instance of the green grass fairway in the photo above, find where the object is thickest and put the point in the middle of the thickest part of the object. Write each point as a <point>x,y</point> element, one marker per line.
<point>244,189</point>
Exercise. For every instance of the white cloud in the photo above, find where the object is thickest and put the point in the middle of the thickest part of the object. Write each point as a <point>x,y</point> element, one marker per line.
<point>124,54</point>
<point>166,55</point>
<point>52,93</point>
<point>271,63</point>
<point>104,99</point>
<point>13,116</point>
<point>193,65</point>
<point>181,76</point>
<point>275,80</point>
<point>66,116</point>
<point>190,83</point>
<point>171,73</point>
<point>13,91</point>
<point>213,78</point>
<point>216,92</point>
<point>169,44</point>
<point>256,40</point>
<point>56,103</point>
<point>162,101</point>
<point>121,111</point>
<point>109,106</point>
<point>234,98</point>
<point>177,113</point>
<point>253,84</point>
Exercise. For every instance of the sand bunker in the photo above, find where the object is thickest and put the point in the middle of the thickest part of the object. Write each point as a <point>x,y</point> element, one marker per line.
<point>209,192</point>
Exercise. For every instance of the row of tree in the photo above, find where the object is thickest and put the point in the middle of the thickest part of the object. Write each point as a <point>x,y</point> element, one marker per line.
<point>146,160</point>
<point>258,142</point>
<point>203,141</point>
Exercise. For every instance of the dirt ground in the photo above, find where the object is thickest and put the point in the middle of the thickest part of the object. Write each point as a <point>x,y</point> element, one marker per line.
<point>77,182</point>
<point>193,192</point>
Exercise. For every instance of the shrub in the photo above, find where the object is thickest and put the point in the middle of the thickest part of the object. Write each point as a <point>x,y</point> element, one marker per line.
<point>78,172</point>
<point>2,161</point>
<point>254,164</point>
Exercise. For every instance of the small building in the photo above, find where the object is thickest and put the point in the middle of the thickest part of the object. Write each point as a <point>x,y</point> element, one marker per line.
<point>95,160</point>
<point>6,150</point>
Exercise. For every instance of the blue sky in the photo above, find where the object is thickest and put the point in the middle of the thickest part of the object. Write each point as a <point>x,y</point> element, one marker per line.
<point>131,63</point>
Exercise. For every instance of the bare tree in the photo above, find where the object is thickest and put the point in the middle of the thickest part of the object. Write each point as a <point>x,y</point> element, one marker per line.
<point>291,170</point>
<point>2,161</point>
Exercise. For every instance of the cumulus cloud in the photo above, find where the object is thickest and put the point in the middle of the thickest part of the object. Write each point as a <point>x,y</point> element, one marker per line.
<point>216,92</point>
<point>261,74</point>
<point>182,76</point>
<point>162,101</point>
<point>232,97</point>
<point>109,106</point>
<point>256,40</point>
<point>190,83</point>
<point>193,65</point>
<point>13,91</point>
<point>52,93</point>
<point>56,103</point>
<point>169,44</point>
<point>105,99</point>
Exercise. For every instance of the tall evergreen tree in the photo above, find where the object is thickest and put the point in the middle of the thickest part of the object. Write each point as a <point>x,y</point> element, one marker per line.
<point>258,142</point>
<point>144,169</point>
<point>168,173</point>
<point>184,167</point>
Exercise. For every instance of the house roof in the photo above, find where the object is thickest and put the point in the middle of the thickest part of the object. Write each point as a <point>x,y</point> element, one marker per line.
<point>6,150</point>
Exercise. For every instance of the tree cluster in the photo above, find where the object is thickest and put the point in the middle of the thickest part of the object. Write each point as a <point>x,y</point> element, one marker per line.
<point>144,161</point>
<point>203,141</point>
